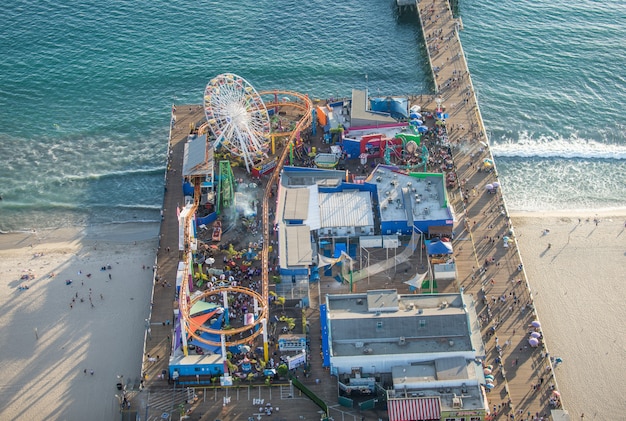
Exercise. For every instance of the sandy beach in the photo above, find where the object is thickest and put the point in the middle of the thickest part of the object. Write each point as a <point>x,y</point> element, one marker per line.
<point>47,345</point>
<point>53,334</point>
<point>578,287</point>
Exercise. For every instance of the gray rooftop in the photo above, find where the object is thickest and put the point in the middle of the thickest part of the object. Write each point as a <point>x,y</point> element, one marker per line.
<point>422,323</point>
<point>196,359</point>
<point>360,113</point>
<point>346,209</point>
<point>198,157</point>
<point>382,300</point>
<point>447,378</point>
<point>297,245</point>
<point>411,198</point>
<point>308,177</point>
<point>296,204</point>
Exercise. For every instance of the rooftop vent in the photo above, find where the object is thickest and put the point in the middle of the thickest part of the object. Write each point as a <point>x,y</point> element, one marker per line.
<point>457,402</point>
<point>402,340</point>
<point>359,301</point>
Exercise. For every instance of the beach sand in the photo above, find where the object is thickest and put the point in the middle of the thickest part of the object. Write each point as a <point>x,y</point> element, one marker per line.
<point>578,287</point>
<point>45,345</point>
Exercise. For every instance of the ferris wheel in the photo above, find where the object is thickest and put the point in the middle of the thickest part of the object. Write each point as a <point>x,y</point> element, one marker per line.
<point>237,117</point>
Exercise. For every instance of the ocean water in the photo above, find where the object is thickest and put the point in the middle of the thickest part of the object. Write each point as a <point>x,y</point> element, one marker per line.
<point>86,89</point>
<point>551,89</point>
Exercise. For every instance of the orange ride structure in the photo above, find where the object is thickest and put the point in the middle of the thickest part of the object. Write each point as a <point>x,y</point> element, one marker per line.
<point>291,101</point>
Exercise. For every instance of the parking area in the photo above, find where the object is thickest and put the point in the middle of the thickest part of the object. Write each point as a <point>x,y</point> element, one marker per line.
<point>280,402</point>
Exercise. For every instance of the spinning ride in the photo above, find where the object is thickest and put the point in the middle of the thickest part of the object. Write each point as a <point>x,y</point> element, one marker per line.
<point>237,117</point>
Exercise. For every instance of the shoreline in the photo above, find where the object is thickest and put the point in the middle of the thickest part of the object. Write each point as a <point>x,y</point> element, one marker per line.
<point>570,213</point>
<point>113,231</point>
<point>120,233</point>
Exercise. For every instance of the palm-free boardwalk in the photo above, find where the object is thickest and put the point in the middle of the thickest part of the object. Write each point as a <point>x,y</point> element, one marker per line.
<point>487,269</point>
<point>159,326</point>
<point>484,264</point>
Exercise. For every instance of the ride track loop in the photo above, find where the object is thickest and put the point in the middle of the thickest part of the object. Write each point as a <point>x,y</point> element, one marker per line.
<point>301,103</point>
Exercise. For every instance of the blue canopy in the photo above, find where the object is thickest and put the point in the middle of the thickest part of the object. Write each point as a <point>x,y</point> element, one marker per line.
<point>439,247</point>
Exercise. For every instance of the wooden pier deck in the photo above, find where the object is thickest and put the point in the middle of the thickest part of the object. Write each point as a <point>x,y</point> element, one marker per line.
<point>160,324</point>
<point>487,269</point>
<point>483,221</point>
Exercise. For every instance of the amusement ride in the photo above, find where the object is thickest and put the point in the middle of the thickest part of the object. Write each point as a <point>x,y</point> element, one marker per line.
<point>238,120</point>
<point>237,117</point>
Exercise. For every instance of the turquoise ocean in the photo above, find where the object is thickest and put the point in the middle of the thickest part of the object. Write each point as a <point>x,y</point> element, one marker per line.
<point>86,89</point>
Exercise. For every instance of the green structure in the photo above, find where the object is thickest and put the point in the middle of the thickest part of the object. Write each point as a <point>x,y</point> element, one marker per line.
<point>225,186</point>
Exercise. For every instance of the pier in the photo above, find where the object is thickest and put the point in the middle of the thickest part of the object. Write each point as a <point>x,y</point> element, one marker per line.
<point>159,326</point>
<point>406,4</point>
<point>486,269</point>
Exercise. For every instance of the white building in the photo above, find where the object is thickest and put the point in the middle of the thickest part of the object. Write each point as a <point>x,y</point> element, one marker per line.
<point>427,347</point>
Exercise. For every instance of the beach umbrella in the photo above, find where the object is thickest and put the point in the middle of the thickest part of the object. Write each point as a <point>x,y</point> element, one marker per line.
<point>209,261</point>
<point>489,186</point>
<point>556,393</point>
<point>487,371</point>
<point>496,184</point>
<point>414,115</point>
<point>489,386</point>
<point>534,342</point>
<point>487,162</point>
<point>490,367</point>
<point>489,377</point>
<point>439,123</point>
<point>506,239</point>
<point>535,334</point>
<point>422,129</point>
<point>536,323</point>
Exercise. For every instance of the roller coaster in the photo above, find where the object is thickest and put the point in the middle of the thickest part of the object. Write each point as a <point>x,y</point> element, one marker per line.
<point>303,104</point>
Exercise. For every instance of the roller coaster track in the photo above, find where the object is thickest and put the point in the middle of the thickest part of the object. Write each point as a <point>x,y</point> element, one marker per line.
<point>304,104</point>
<point>301,103</point>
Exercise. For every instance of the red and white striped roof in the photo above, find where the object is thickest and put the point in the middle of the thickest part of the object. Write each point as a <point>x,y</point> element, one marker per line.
<point>414,409</point>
